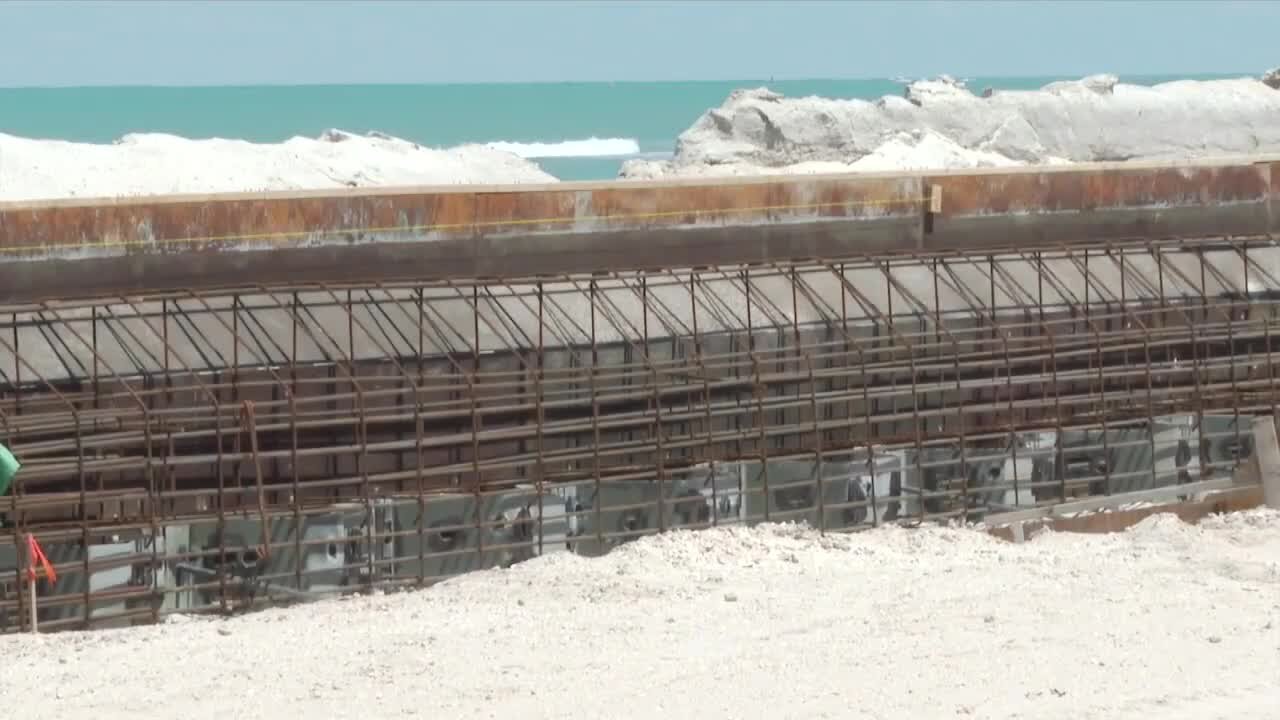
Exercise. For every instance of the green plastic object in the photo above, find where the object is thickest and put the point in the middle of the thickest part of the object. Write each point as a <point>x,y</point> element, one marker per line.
<point>9,467</point>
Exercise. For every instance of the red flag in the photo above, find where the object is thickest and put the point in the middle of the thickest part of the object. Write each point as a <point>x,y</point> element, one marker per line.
<point>36,554</point>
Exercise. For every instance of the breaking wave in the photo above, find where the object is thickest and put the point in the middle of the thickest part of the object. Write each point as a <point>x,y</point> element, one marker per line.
<point>590,147</point>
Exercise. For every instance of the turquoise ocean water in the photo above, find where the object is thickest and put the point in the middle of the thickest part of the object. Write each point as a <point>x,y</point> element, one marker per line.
<point>650,115</point>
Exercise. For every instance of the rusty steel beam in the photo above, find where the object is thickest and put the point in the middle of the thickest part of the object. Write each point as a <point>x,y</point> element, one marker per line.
<point>59,248</point>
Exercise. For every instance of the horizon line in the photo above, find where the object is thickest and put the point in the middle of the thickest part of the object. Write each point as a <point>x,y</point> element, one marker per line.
<point>898,79</point>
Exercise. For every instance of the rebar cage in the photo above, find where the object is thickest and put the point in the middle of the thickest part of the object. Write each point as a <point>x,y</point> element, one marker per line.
<point>187,451</point>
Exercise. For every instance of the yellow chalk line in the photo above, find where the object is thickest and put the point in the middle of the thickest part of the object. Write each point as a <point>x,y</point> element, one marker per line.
<point>291,234</point>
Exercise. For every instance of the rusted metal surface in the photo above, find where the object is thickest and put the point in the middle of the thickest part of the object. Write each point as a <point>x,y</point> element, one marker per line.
<point>213,223</point>
<point>1048,207</point>
<point>51,249</point>
<point>1272,170</point>
<point>1032,192</point>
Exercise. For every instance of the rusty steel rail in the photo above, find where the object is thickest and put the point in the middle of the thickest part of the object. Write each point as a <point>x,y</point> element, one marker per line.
<point>61,248</point>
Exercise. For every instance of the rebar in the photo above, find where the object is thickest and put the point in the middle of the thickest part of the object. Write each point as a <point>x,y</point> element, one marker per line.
<point>406,398</point>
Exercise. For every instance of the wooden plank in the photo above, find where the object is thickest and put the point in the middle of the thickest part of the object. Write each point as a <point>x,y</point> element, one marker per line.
<point>1234,500</point>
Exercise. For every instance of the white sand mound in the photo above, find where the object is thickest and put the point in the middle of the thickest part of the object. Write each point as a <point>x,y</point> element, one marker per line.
<point>152,164</point>
<point>940,124</point>
<point>1167,620</point>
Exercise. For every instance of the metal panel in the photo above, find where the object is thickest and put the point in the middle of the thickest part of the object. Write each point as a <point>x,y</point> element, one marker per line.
<point>130,245</point>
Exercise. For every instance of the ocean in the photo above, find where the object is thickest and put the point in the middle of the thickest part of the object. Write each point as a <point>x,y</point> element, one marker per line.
<point>575,131</point>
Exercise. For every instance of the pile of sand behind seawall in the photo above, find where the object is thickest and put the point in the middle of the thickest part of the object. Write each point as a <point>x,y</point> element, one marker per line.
<point>156,164</point>
<point>1166,620</point>
<point>942,124</point>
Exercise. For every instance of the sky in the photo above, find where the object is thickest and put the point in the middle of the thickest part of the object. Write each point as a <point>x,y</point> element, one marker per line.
<point>230,42</point>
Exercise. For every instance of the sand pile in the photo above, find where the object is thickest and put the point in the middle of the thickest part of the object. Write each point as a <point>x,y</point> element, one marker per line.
<point>942,124</point>
<point>149,164</point>
<point>1167,620</point>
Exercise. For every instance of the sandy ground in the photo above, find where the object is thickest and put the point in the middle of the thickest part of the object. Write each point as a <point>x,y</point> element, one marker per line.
<point>1166,621</point>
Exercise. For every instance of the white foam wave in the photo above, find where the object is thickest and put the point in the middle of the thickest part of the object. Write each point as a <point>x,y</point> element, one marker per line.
<point>590,147</point>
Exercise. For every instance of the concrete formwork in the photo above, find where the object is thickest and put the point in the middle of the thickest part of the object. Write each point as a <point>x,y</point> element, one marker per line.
<point>492,386</point>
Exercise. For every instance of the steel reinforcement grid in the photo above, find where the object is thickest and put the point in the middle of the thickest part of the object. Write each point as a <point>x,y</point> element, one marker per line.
<point>196,451</point>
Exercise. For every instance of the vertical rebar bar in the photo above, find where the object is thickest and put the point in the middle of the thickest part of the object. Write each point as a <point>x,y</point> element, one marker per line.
<point>539,378</point>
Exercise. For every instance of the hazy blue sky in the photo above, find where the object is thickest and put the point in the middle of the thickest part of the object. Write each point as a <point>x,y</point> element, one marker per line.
<point>237,42</point>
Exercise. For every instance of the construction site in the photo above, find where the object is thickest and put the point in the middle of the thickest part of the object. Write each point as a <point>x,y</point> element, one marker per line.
<point>221,402</point>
